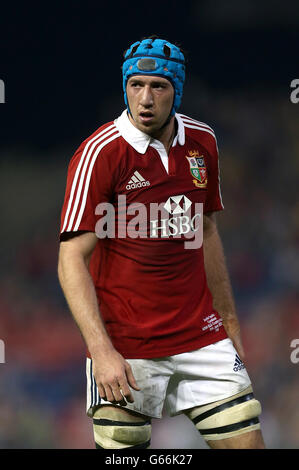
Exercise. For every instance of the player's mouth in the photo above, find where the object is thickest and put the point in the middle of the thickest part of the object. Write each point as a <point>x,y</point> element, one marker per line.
<point>146,116</point>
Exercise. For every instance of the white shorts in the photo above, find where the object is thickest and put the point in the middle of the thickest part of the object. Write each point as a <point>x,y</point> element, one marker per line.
<point>181,381</point>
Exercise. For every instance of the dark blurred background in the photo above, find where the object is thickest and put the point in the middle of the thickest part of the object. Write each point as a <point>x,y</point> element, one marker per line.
<point>60,63</point>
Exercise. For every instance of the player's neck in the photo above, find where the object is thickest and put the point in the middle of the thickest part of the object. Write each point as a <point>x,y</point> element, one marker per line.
<point>166,134</point>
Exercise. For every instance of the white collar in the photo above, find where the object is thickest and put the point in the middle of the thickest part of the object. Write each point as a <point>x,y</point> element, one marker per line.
<point>138,139</point>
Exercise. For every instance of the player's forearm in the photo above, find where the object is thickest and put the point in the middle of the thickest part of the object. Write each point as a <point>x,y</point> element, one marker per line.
<point>79,291</point>
<point>217,274</point>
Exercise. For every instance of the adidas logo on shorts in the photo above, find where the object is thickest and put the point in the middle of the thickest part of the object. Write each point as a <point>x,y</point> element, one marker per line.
<point>238,365</point>
<point>137,181</point>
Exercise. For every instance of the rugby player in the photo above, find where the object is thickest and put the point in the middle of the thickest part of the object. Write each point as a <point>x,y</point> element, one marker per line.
<point>148,286</point>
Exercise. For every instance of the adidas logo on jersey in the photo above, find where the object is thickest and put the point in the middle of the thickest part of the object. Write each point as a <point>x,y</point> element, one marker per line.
<point>137,181</point>
<point>238,365</point>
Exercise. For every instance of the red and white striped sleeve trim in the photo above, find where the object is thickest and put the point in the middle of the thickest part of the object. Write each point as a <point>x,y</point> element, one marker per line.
<point>80,185</point>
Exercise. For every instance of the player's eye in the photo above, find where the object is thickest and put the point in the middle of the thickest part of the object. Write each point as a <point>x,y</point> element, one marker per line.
<point>159,85</point>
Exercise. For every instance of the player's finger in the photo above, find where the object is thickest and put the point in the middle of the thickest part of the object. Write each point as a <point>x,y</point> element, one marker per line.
<point>102,392</point>
<point>116,393</point>
<point>109,394</point>
<point>126,391</point>
<point>239,347</point>
<point>131,379</point>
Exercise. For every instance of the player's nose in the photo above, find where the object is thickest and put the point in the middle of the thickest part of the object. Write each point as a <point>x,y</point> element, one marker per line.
<point>146,96</point>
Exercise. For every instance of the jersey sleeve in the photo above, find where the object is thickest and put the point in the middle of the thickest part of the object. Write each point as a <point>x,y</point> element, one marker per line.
<point>89,183</point>
<point>214,198</point>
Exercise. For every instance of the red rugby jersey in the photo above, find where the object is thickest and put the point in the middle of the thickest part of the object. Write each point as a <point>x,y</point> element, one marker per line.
<point>147,207</point>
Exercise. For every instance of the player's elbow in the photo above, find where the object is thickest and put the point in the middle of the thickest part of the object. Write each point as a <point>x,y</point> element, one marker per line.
<point>68,259</point>
<point>209,225</point>
<point>61,266</point>
<point>74,256</point>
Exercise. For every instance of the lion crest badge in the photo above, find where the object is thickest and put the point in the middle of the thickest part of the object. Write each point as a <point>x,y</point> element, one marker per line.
<point>197,168</point>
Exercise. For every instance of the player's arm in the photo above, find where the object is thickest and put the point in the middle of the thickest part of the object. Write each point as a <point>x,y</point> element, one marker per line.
<point>110,369</point>
<point>219,282</point>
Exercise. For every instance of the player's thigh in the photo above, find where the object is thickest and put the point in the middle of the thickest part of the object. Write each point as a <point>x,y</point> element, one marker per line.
<point>229,423</point>
<point>205,376</point>
<point>248,440</point>
<point>115,427</point>
<point>152,377</point>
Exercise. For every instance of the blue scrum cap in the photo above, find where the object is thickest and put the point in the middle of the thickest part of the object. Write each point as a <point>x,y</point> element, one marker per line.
<point>156,57</point>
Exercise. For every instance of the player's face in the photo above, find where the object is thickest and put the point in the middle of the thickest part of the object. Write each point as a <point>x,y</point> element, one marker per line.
<point>150,100</point>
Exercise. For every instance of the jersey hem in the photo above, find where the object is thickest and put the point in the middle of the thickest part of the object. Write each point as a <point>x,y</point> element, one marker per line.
<point>173,351</point>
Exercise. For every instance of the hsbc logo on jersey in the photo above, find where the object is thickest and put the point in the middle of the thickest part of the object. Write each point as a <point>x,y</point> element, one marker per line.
<point>179,220</point>
<point>178,217</point>
<point>177,204</point>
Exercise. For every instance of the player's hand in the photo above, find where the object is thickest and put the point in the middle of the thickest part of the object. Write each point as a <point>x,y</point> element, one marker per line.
<point>114,377</point>
<point>232,329</point>
<point>237,342</point>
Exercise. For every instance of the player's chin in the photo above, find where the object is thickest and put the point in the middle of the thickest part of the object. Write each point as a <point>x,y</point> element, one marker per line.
<point>147,127</point>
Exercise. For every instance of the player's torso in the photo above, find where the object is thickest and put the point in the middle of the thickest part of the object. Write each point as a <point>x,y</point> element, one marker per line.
<point>149,274</point>
<point>161,196</point>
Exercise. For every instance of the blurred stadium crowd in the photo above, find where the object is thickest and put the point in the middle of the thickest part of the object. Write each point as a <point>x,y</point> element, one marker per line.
<point>42,383</point>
